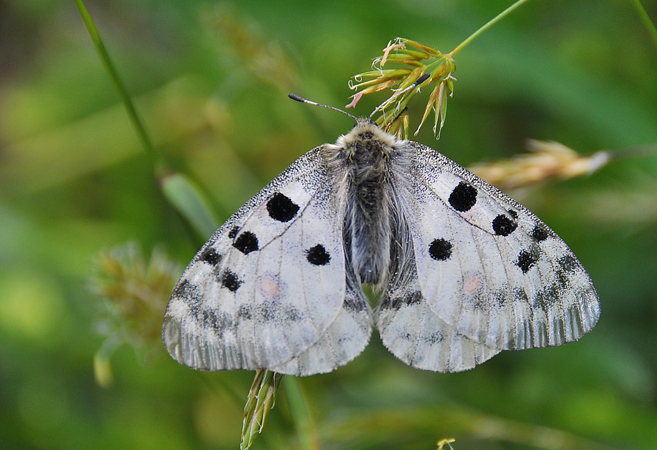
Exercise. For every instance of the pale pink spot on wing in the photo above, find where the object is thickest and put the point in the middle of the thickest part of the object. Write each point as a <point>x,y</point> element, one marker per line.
<point>269,287</point>
<point>472,285</point>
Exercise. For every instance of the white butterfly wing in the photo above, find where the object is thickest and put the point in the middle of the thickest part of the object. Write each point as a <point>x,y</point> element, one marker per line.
<point>345,338</point>
<point>268,289</point>
<point>488,267</point>
<point>417,336</point>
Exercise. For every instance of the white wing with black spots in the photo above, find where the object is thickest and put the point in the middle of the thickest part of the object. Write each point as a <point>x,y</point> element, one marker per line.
<point>489,267</point>
<point>269,284</point>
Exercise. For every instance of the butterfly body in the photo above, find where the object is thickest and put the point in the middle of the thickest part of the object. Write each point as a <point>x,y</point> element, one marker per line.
<point>366,167</point>
<point>464,270</point>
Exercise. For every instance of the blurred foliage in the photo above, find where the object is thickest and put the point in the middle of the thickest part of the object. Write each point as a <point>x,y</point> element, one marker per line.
<point>210,80</point>
<point>134,294</point>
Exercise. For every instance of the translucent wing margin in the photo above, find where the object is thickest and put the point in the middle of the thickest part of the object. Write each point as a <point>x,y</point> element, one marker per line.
<point>268,289</point>
<point>490,268</point>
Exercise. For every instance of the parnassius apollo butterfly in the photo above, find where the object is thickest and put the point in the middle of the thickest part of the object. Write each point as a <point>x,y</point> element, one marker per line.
<point>464,271</point>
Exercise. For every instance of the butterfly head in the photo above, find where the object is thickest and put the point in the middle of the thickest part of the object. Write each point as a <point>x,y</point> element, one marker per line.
<point>365,130</point>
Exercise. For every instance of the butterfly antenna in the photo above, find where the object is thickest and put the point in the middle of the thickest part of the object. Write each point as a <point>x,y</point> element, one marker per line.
<point>310,102</point>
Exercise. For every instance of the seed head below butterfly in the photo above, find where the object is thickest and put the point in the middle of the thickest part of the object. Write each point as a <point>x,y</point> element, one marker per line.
<point>464,271</point>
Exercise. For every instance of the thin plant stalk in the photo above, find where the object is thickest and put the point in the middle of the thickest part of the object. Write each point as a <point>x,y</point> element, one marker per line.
<point>261,399</point>
<point>303,421</point>
<point>181,192</point>
<point>123,92</point>
<point>490,23</point>
<point>424,66</point>
<point>646,20</point>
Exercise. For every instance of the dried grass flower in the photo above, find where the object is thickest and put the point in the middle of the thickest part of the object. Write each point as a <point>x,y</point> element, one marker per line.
<point>135,294</point>
<point>417,66</point>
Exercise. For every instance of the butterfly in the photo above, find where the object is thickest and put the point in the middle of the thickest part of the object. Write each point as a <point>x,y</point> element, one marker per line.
<point>463,270</point>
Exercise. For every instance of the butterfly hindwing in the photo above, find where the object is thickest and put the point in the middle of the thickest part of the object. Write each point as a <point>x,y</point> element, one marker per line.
<point>490,268</point>
<point>417,336</point>
<point>269,284</point>
<point>344,339</point>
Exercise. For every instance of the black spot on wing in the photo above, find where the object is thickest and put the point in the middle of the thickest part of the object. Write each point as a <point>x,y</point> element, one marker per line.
<point>246,242</point>
<point>480,300</point>
<point>281,208</point>
<point>318,256</point>
<point>244,312</point>
<point>275,312</point>
<point>291,314</point>
<point>187,291</point>
<point>547,297</point>
<point>440,249</point>
<point>204,316</point>
<point>525,261</point>
<point>210,256</point>
<point>266,312</point>
<point>568,263</point>
<point>503,225</point>
<point>230,280</point>
<point>233,232</point>
<point>540,233</point>
<point>463,197</point>
<point>405,336</point>
<point>500,297</point>
<point>433,339</point>
<point>562,280</point>
<point>513,214</point>
<point>219,322</point>
<point>520,295</point>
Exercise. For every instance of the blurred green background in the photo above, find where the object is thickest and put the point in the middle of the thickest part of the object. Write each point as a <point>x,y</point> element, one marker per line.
<point>210,80</point>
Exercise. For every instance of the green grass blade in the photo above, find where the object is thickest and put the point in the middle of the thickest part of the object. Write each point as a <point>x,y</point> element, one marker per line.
<point>125,98</point>
<point>190,202</point>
